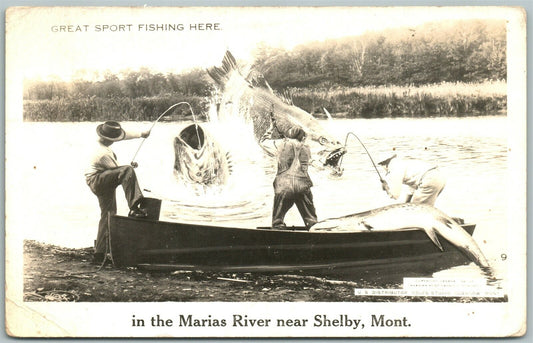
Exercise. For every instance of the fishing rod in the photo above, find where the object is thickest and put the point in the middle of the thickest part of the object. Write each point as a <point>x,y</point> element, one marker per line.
<point>135,164</point>
<point>371,160</point>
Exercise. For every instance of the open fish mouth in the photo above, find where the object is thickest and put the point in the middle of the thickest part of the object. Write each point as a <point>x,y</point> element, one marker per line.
<point>334,157</point>
<point>199,159</point>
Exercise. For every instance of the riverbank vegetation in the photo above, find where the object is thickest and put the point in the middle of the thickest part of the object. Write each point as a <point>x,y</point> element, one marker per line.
<point>444,99</point>
<point>451,68</point>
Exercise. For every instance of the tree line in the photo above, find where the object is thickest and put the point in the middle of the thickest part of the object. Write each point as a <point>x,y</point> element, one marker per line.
<point>456,51</point>
<point>128,84</point>
<point>452,52</point>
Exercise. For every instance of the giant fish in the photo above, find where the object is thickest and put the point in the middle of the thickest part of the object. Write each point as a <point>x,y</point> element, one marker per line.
<point>252,98</point>
<point>199,159</point>
<point>407,216</point>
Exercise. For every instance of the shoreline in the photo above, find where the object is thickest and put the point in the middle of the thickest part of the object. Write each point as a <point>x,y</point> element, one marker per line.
<point>58,274</point>
<point>319,116</point>
<point>448,100</point>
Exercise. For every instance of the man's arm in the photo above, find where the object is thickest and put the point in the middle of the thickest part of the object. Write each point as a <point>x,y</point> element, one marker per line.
<point>104,159</point>
<point>135,134</point>
<point>107,162</point>
<point>267,143</point>
<point>394,180</point>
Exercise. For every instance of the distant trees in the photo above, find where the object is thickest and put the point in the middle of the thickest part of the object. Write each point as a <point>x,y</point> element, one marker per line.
<point>131,95</point>
<point>452,52</point>
<point>456,51</point>
<point>128,84</point>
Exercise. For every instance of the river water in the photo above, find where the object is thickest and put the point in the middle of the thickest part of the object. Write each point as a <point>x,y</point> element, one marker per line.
<point>53,204</point>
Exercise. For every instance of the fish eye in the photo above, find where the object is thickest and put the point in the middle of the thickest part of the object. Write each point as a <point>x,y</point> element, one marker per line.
<point>322,140</point>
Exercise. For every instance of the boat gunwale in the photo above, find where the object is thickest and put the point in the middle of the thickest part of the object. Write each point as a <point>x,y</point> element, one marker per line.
<point>289,229</point>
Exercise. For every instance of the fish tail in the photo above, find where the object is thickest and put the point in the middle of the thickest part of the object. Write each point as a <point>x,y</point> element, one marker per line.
<point>469,247</point>
<point>221,74</point>
<point>432,234</point>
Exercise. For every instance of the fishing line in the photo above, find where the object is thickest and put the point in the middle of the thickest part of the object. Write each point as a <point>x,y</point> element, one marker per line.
<point>371,160</point>
<point>133,163</point>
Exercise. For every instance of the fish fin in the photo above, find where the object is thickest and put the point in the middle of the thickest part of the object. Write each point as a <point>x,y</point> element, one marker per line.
<point>366,225</point>
<point>448,222</point>
<point>327,113</point>
<point>432,234</point>
<point>256,79</point>
<point>221,74</point>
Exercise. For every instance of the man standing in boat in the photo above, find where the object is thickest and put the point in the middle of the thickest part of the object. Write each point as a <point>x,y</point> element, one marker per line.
<point>292,184</point>
<point>424,180</point>
<point>104,175</point>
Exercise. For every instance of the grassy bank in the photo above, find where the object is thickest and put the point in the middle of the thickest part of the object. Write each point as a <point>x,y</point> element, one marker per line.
<point>445,99</point>
<point>100,109</point>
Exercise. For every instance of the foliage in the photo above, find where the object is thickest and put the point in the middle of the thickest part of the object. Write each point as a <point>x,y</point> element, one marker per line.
<point>455,51</point>
<point>131,84</point>
<point>100,109</point>
<point>441,68</point>
<point>444,99</point>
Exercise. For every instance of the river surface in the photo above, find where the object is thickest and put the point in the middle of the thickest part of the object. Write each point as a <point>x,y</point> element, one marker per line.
<point>54,205</point>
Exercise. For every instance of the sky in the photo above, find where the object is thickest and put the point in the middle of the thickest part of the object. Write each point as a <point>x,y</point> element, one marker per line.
<point>67,42</point>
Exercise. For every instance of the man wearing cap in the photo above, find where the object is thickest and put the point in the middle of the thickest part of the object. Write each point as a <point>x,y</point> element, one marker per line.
<point>424,181</point>
<point>104,175</point>
<point>292,184</point>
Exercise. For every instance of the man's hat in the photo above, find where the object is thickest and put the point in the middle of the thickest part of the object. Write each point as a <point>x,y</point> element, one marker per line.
<point>110,130</point>
<point>296,132</point>
<point>386,161</point>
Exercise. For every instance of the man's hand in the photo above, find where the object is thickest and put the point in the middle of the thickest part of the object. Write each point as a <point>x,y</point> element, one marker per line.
<point>145,134</point>
<point>268,133</point>
<point>385,186</point>
<point>271,128</point>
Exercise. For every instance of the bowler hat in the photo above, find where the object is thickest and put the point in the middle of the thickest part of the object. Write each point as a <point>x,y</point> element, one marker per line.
<point>110,130</point>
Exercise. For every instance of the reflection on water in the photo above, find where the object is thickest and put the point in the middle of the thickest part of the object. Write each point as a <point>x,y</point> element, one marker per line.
<point>471,151</point>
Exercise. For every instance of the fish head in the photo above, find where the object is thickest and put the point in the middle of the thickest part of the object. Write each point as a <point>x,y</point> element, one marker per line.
<point>329,149</point>
<point>331,157</point>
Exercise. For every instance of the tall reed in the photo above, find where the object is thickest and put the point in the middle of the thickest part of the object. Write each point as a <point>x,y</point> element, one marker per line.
<point>100,109</point>
<point>444,99</point>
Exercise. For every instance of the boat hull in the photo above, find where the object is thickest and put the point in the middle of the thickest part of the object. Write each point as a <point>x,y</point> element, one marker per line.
<point>160,245</point>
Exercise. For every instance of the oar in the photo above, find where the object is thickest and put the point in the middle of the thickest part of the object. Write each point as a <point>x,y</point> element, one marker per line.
<point>135,164</point>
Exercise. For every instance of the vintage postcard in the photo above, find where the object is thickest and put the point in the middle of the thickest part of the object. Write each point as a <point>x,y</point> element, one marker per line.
<point>265,171</point>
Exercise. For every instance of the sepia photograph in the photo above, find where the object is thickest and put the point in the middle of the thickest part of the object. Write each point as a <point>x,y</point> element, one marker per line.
<point>265,171</point>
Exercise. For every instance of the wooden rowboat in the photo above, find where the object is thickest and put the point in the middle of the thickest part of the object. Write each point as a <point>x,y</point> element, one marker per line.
<point>160,245</point>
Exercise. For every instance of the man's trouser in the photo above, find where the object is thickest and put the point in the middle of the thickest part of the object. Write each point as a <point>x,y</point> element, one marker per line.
<point>430,187</point>
<point>104,186</point>
<point>283,201</point>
